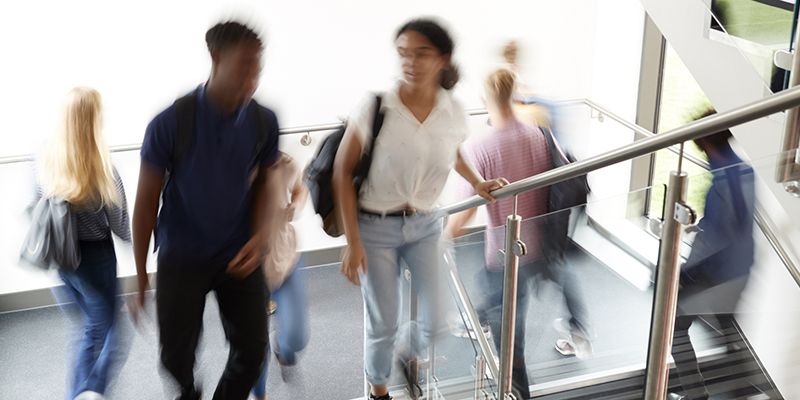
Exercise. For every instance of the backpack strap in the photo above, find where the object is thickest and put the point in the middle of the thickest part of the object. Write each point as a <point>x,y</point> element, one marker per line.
<point>185,109</point>
<point>262,128</point>
<point>377,118</point>
<point>556,148</point>
<point>362,169</point>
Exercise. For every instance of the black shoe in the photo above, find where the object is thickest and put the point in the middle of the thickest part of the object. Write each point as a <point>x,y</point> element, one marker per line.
<point>193,395</point>
<point>384,397</point>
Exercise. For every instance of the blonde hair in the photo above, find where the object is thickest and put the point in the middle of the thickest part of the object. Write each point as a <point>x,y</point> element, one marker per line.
<point>510,52</point>
<point>500,86</point>
<point>77,164</point>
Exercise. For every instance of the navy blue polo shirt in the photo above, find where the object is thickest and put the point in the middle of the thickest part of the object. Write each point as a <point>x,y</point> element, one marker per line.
<point>206,205</point>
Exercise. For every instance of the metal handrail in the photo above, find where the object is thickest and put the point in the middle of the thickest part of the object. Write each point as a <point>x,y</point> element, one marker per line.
<point>637,128</point>
<point>487,351</point>
<point>651,143</point>
<point>285,131</point>
<point>772,104</point>
<point>762,221</point>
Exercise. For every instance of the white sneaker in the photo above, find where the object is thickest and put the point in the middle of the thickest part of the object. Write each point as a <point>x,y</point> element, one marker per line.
<point>89,395</point>
<point>575,342</point>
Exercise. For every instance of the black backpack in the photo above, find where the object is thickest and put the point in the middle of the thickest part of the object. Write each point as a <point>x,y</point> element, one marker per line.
<point>318,175</point>
<point>563,196</point>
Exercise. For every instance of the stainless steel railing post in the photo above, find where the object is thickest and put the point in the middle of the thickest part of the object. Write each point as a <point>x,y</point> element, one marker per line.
<point>666,292</point>
<point>514,248</point>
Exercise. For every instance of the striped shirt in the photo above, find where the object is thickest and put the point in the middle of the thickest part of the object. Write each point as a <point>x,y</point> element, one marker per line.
<point>95,224</point>
<point>515,152</point>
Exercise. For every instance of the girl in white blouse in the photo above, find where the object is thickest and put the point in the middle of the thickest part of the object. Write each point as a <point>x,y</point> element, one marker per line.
<point>393,218</point>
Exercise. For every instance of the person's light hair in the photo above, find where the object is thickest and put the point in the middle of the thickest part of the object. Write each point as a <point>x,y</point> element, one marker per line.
<point>77,163</point>
<point>510,52</point>
<point>500,86</point>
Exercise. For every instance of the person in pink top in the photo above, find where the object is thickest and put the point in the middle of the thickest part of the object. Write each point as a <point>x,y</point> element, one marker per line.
<point>514,151</point>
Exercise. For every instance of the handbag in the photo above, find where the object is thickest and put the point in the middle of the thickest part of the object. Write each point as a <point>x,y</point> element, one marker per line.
<point>52,239</point>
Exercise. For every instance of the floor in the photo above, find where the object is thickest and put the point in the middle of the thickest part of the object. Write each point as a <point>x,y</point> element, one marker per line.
<point>34,344</point>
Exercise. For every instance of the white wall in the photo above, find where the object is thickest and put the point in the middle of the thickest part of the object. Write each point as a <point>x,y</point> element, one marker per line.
<point>321,56</point>
<point>320,59</point>
<point>729,80</point>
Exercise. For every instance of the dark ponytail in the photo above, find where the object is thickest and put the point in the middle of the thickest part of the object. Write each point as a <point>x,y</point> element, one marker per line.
<point>449,76</point>
<point>440,39</point>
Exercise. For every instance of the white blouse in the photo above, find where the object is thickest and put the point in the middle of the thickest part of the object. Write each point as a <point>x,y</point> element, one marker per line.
<point>412,159</point>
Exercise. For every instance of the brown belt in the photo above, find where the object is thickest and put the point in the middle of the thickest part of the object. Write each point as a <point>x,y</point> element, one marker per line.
<point>399,213</point>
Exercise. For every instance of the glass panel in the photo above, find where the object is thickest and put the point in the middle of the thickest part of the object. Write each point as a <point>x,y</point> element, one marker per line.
<point>590,309</point>
<point>456,366</point>
<point>590,291</point>
<point>719,319</point>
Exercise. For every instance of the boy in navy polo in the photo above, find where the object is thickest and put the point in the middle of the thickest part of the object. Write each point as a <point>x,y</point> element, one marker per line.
<point>216,202</point>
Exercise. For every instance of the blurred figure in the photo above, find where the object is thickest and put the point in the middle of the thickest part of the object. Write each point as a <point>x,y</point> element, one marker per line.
<point>393,218</point>
<point>716,272</point>
<point>529,107</point>
<point>284,277</point>
<point>77,168</point>
<point>211,153</point>
<point>515,151</point>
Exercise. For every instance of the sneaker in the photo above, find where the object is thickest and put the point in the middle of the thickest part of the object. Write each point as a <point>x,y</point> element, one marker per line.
<point>564,347</point>
<point>383,397</point>
<point>288,371</point>
<point>582,346</point>
<point>574,341</point>
<point>89,395</point>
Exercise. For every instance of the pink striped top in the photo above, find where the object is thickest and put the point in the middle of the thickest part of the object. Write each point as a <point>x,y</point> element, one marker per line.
<point>515,152</point>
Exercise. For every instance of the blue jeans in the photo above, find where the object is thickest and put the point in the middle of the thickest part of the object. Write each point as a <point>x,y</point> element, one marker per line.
<point>292,315</point>
<point>416,240</point>
<point>93,288</point>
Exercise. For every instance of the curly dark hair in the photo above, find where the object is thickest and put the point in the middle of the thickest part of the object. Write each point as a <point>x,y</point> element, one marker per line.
<point>230,33</point>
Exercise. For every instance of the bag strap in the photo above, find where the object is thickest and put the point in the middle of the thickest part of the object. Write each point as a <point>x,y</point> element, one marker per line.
<point>377,118</point>
<point>185,109</point>
<point>262,128</point>
<point>552,139</point>
<point>377,124</point>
